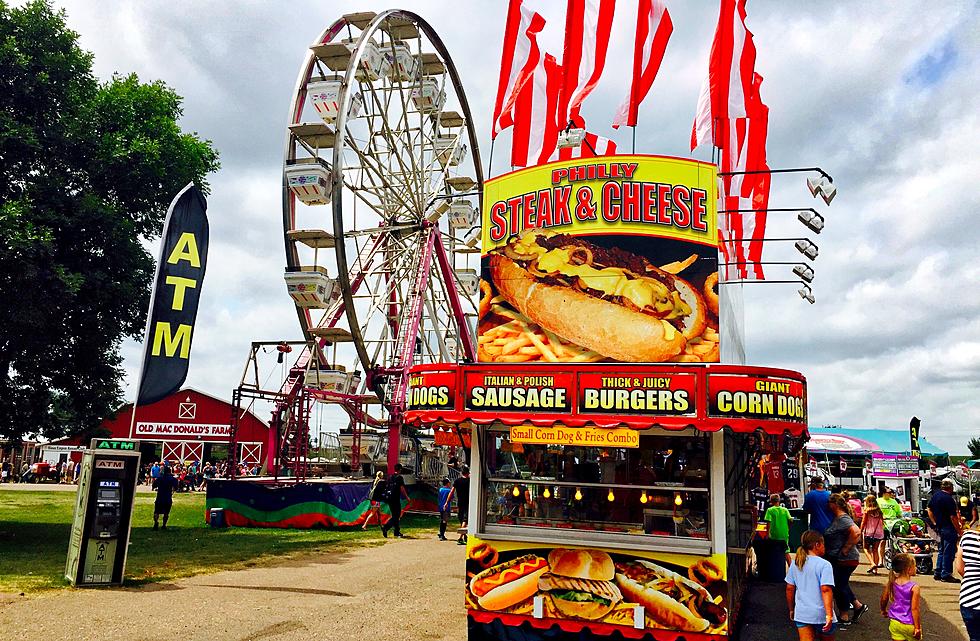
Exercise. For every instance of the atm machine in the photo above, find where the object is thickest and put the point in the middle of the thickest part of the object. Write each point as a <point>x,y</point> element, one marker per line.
<point>103,512</point>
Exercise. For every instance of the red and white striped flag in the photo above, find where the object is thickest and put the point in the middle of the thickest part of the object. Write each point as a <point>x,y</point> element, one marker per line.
<point>653,29</point>
<point>520,56</point>
<point>588,24</point>
<point>535,126</point>
<point>594,145</point>
<point>732,116</point>
<point>727,88</point>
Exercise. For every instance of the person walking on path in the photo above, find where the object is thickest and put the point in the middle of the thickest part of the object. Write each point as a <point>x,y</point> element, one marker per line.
<point>393,494</point>
<point>900,600</point>
<point>376,496</point>
<point>968,511</point>
<point>841,540</point>
<point>810,590</point>
<point>873,531</point>
<point>815,504</point>
<point>461,490</point>
<point>967,564</point>
<point>891,509</point>
<point>778,518</point>
<point>444,507</point>
<point>165,486</point>
<point>945,514</point>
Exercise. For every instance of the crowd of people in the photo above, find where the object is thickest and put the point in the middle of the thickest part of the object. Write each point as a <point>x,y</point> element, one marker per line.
<point>818,591</point>
<point>193,476</point>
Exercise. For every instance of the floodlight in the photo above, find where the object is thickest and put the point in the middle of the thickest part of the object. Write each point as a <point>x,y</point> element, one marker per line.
<point>807,294</point>
<point>804,272</point>
<point>812,220</point>
<point>822,186</point>
<point>807,248</point>
<point>571,138</point>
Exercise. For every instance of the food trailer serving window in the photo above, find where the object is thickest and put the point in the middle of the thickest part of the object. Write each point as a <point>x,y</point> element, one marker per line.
<point>657,492</point>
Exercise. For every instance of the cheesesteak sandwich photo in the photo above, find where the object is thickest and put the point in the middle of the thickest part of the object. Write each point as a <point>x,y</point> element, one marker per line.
<point>669,599</point>
<point>580,583</point>
<point>608,300</point>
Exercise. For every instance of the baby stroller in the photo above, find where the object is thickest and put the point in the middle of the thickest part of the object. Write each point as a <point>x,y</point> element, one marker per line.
<point>908,536</point>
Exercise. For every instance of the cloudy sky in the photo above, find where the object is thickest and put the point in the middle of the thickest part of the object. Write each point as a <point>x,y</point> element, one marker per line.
<point>884,100</point>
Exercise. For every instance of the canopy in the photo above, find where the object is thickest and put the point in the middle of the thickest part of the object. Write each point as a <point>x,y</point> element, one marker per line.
<point>866,441</point>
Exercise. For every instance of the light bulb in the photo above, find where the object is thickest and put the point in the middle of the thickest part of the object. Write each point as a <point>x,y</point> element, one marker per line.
<point>578,494</point>
<point>611,497</point>
<point>517,491</point>
<point>678,501</point>
<point>643,497</point>
<point>546,494</point>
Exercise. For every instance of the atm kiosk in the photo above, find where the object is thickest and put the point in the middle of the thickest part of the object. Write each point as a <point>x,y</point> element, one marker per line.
<point>103,513</point>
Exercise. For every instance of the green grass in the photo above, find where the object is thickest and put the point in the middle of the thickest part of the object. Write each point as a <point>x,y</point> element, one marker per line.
<point>34,530</point>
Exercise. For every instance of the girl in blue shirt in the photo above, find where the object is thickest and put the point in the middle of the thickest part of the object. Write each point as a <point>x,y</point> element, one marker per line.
<point>810,590</point>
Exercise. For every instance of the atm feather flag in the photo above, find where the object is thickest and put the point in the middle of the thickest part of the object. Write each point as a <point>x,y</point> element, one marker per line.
<point>175,296</point>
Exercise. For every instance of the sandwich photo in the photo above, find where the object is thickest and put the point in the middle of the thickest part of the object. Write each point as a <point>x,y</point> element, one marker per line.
<point>580,583</point>
<point>506,584</point>
<point>669,599</point>
<point>582,301</point>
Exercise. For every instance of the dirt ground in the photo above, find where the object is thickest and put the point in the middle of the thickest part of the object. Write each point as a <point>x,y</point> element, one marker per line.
<point>404,589</point>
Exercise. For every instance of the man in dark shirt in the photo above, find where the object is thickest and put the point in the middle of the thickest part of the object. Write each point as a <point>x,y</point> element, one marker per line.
<point>944,513</point>
<point>165,486</point>
<point>461,490</point>
<point>396,490</point>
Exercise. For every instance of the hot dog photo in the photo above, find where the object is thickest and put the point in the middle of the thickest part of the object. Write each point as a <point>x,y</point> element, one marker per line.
<point>609,261</point>
<point>594,588</point>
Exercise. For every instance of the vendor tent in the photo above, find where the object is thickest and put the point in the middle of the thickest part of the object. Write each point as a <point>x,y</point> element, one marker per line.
<point>857,441</point>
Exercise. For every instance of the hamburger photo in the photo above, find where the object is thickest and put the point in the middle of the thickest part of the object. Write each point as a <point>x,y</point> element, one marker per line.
<point>580,583</point>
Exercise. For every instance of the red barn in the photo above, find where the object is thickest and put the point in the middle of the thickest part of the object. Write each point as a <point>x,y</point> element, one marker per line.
<point>188,425</point>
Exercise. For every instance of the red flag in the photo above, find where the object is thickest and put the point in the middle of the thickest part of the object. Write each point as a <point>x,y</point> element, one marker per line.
<point>535,127</point>
<point>653,29</point>
<point>593,146</point>
<point>727,88</point>
<point>588,24</point>
<point>520,56</point>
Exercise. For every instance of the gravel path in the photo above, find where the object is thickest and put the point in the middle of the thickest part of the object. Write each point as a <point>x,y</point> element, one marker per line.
<point>404,589</point>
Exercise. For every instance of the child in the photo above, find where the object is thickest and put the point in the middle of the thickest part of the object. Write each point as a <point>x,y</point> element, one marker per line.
<point>377,488</point>
<point>779,519</point>
<point>810,590</point>
<point>873,530</point>
<point>443,508</point>
<point>905,621</point>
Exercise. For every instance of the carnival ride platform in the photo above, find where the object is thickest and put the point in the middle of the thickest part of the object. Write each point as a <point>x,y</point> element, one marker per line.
<point>318,502</point>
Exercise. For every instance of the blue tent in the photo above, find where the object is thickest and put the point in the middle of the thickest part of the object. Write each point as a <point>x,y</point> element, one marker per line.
<point>863,441</point>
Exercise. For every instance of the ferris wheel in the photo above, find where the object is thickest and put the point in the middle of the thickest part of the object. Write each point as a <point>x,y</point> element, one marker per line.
<point>382,185</point>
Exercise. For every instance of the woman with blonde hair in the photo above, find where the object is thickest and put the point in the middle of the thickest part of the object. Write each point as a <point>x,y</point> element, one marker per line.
<point>376,498</point>
<point>873,531</point>
<point>810,590</point>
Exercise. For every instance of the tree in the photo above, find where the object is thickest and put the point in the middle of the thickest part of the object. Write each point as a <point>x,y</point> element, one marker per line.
<point>974,446</point>
<point>87,171</point>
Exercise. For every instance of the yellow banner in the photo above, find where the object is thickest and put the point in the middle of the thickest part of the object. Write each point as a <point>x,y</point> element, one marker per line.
<point>582,436</point>
<point>609,195</point>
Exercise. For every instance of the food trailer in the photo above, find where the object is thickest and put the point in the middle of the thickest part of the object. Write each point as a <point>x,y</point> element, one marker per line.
<point>613,457</point>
